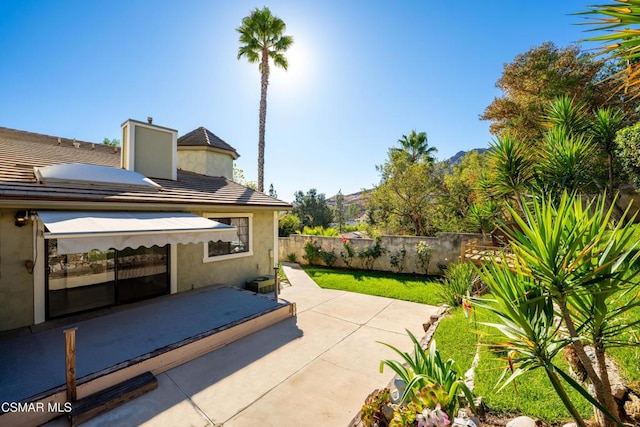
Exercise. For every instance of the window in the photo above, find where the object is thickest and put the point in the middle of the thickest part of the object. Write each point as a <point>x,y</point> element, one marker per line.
<point>240,246</point>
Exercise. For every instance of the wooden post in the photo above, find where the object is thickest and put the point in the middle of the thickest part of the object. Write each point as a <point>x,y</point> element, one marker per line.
<point>276,283</point>
<point>70,362</point>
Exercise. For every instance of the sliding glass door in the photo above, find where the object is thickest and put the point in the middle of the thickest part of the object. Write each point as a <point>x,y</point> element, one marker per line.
<point>95,279</point>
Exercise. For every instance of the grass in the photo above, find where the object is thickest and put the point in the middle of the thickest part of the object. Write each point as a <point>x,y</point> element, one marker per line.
<point>534,396</point>
<point>404,287</point>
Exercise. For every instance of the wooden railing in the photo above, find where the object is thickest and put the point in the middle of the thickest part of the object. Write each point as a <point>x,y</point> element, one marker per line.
<point>479,253</point>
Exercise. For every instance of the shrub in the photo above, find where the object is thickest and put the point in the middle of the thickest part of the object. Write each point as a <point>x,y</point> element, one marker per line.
<point>398,259</point>
<point>426,368</point>
<point>288,224</point>
<point>423,256</point>
<point>347,253</point>
<point>329,258</point>
<point>628,149</point>
<point>312,251</point>
<point>370,254</point>
<point>291,257</point>
<point>373,410</point>
<point>319,231</point>
<point>459,279</point>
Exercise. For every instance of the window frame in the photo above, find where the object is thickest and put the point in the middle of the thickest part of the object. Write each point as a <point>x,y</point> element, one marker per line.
<point>205,245</point>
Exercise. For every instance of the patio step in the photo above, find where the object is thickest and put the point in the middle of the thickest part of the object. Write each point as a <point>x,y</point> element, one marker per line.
<point>112,397</point>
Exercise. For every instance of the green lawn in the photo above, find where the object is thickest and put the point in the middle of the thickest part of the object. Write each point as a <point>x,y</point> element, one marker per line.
<point>534,396</point>
<point>404,287</point>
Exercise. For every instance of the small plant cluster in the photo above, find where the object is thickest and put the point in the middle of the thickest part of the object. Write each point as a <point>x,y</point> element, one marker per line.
<point>347,253</point>
<point>319,231</point>
<point>369,254</point>
<point>314,253</point>
<point>432,389</point>
<point>423,256</point>
<point>422,411</point>
<point>458,283</point>
<point>398,260</point>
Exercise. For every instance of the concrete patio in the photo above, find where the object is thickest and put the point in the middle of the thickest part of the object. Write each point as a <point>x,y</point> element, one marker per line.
<point>313,370</point>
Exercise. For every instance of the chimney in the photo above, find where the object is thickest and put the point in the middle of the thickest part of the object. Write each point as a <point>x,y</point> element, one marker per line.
<point>149,149</point>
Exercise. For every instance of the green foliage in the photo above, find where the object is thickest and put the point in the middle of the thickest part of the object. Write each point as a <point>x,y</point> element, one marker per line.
<point>314,253</point>
<point>427,368</point>
<point>423,256</point>
<point>238,176</point>
<point>406,197</point>
<point>272,192</point>
<point>384,284</point>
<point>398,259</point>
<point>458,282</point>
<point>568,253</point>
<point>628,149</point>
<point>512,162</point>
<point>288,224</point>
<point>291,257</point>
<point>312,250</point>
<point>347,253</point>
<point>369,254</point>
<point>319,231</point>
<point>115,142</point>
<point>339,211</point>
<point>414,148</point>
<point>312,208</point>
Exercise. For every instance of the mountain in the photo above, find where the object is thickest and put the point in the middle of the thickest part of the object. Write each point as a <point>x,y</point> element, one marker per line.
<point>350,199</point>
<point>456,158</point>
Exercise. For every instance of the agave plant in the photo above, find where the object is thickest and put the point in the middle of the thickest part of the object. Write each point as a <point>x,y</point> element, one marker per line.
<point>427,368</point>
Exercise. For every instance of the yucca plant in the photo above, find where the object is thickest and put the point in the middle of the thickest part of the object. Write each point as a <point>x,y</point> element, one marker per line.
<point>577,257</point>
<point>621,40</point>
<point>425,368</point>
<point>459,279</point>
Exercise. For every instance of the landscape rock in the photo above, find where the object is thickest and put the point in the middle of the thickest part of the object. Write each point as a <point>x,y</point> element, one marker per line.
<point>570,425</point>
<point>522,422</point>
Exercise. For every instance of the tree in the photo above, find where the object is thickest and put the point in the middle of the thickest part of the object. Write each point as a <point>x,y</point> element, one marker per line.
<point>353,210</point>
<point>407,197</point>
<point>261,39</point>
<point>288,224</point>
<point>538,76</point>
<point>111,142</point>
<point>604,127</point>
<point>415,148</point>
<point>272,192</point>
<point>628,148</point>
<point>339,211</point>
<point>238,176</point>
<point>312,209</point>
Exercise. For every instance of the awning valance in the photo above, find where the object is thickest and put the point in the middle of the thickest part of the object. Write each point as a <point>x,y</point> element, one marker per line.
<point>82,231</point>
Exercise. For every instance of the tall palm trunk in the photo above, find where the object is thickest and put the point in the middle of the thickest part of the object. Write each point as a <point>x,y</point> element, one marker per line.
<point>263,117</point>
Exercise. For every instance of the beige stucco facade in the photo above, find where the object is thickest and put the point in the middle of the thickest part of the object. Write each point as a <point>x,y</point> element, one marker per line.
<point>16,283</point>
<point>205,161</point>
<point>194,271</point>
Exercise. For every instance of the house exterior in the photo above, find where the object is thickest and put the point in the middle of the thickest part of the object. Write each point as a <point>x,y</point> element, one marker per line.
<point>85,226</point>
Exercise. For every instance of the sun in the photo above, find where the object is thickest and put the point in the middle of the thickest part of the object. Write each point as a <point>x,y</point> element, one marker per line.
<point>299,72</point>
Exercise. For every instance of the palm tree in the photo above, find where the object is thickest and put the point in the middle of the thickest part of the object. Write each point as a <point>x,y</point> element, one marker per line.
<point>565,113</point>
<point>416,148</point>
<point>261,38</point>
<point>604,127</point>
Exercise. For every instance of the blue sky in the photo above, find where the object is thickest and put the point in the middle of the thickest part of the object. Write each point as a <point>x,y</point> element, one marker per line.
<point>362,73</point>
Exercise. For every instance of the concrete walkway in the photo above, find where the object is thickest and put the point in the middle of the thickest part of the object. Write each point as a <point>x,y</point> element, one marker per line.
<point>314,370</point>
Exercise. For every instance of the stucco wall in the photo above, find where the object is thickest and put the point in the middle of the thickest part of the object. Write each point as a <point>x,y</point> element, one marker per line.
<point>16,283</point>
<point>205,162</point>
<point>153,152</point>
<point>446,249</point>
<point>194,273</point>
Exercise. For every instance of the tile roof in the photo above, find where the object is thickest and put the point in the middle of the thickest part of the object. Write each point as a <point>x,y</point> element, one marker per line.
<point>203,137</point>
<point>20,151</point>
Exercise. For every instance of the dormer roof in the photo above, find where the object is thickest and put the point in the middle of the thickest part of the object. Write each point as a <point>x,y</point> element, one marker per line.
<point>203,137</point>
